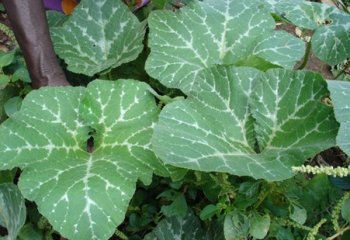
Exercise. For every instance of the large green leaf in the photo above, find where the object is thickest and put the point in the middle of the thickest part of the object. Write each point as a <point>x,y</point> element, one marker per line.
<point>340,93</point>
<point>82,151</point>
<point>331,39</point>
<point>214,32</point>
<point>12,210</point>
<point>214,129</point>
<point>99,35</point>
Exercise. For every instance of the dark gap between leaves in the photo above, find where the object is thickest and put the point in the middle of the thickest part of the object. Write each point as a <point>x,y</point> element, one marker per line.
<point>3,231</point>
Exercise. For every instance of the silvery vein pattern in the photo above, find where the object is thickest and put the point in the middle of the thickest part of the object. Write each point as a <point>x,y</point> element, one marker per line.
<point>98,36</point>
<point>83,193</point>
<point>247,123</point>
<point>340,94</point>
<point>214,32</point>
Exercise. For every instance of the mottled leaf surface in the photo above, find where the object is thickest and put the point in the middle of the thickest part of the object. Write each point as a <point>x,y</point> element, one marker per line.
<point>331,37</point>
<point>244,122</point>
<point>12,210</point>
<point>340,94</point>
<point>82,151</point>
<point>98,36</point>
<point>206,33</point>
<point>186,228</point>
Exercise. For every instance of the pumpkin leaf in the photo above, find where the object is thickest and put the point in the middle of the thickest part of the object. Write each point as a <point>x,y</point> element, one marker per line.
<point>206,33</point>
<point>331,38</point>
<point>340,94</point>
<point>186,228</point>
<point>268,123</point>
<point>13,210</point>
<point>87,44</point>
<point>82,151</point>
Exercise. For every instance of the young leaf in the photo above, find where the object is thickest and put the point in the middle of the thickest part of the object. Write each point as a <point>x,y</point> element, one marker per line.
<point>186,228</point>
<point>12,105</point>
<point>208,211</point>
<point>236,226</point>
<point>345,210</point>
<point>214,32</point>
<point>340,93</point>
<point>6,58</point>
<point>4,80</point>
<point>98,36</point>
<point>177,208</point>
<point>259,226</point>
<point>82,151</point>
<point>298,214</point>
<point>5,95</point>
<point>21,74</point>
<point>291,123</point>
<point>331,39</point>
<point>13,210</point>
<point>29,232</point>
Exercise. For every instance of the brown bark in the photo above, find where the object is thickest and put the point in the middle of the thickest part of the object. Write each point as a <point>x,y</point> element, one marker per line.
<point>29,23</point>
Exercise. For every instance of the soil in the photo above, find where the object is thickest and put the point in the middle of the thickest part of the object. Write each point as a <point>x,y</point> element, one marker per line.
<point>313,64</point>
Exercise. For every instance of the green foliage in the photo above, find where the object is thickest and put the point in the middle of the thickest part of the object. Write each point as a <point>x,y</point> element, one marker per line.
<point>340,93</point>
<point>118,155</point>
<point>13,211</point>
<point>87,44</point>
<point>331,38</point>
<point>186,228</point>
<point>211,32</point>
<point>213,158</point>
<point>261,137</point>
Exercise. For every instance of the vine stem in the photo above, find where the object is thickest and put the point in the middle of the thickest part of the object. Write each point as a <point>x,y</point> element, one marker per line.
<point>341,232</point>
<point>306,56</point>
<point>342,71</point>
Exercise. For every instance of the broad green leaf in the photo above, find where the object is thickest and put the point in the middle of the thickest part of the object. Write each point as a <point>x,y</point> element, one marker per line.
<point>345,210</point>
<point>213,130</point>
<point>7,176</point>
<point>6,58</point>
<point>12,105</point>
<point>82,151</point>
<point>331,39</point>
<point>259,226</point>
<point>298,214</point>
<point>29,232</point>
<point>340,94</point>
<point>187,228</point>
<point>55,19</point>
<point>177,208</point>
<point>236,226</point>
<point>4,80</point>
<point>208,211</point>
<point>5,95</point>
<point>21,74</point>
<point>98,36</point>
<point>211,32</point>
<point>13,210</point>
<point>279,232</point>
